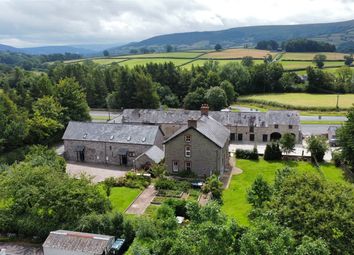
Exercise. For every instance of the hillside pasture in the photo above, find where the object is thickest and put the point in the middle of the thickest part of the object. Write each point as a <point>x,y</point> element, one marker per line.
<point>200,62</point>
<point>165,55</point>
<point>239,53</point>
<point>305,100</point>
<point>310,55</point>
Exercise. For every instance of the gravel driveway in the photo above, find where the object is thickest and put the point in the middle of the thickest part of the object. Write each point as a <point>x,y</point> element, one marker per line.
<point>98,172</point>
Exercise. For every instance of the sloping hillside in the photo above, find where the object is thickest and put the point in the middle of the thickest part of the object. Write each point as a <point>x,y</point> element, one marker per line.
<point>337,33</point>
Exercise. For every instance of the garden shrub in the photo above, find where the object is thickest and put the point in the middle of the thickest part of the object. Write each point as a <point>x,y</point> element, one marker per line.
<point>132,180</point>
<point>337,158</point>
<point>272,152</point>
<point>178,205</point>
<point>165,183</point>
<point>247,154</point>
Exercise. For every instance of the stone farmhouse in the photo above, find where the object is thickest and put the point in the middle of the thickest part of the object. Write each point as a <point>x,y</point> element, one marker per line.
<point>116,144</point>
<point>202,147</point>
<point>245,127</point>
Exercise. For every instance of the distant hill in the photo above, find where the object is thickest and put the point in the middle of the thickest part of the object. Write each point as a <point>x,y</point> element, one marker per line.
<point>336,33</point>
<point>51,50</point>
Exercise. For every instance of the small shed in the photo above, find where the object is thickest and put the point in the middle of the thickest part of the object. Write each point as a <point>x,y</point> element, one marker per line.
<point>149,157</point>
<point>63,242</point>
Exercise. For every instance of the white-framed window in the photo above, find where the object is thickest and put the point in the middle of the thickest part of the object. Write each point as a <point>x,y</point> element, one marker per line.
<point>187,151</point>
<point>131,154</point>
<point>187,165</point>
<point>187,138</point>
<point>174,165</point>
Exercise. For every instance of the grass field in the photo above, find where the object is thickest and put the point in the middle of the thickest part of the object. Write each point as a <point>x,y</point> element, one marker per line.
<point>238,53</point>
<point>235,197</point>
<point>309,56</point>
<point>122,197</point>
<point>188,58</point>
<point>304,99</point>
<point>289,65</point>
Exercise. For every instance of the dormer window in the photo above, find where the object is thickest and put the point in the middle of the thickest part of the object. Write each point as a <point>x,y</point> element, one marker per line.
<point>187,138</point>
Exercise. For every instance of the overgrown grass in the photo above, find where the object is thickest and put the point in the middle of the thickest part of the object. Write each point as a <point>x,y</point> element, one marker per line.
<point>321,122</point>
<point>235,197</point>
<point>122,197</point>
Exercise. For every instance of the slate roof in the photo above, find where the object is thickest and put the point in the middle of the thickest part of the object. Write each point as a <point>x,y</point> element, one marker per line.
<point>180,116</point>
<point>113,133</point>
<point>210,128</point>
<point>78,241</point>
<point>154,153</point>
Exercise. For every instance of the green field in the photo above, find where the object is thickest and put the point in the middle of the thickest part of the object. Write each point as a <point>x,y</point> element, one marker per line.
<point>307,100</point>
<point>310,56</point>
<point>188,58</point>
<point>122,197</point>
<point>289,65</point>
<point>235,197</point>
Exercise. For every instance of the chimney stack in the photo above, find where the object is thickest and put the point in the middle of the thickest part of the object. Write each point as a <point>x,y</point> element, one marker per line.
<point>204,110</point>
<point>192,123</point>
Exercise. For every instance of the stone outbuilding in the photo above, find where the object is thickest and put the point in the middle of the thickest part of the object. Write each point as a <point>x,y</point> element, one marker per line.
<point>63,242</point>
<point>200,147</point>
<point>116,144</point>
<point>244,127</point>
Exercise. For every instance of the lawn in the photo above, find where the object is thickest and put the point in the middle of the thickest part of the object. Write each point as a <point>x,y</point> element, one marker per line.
<point>238,53</point>
<point>310,55</point>
<point>304,99</point>
<point>235,197</point>
<point>122,197</point>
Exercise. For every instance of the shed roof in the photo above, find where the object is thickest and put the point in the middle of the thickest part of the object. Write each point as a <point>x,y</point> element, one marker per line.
<point>114,133</point>
<point>78,241</point>
<point>154,153</point>
<point>210,128</point>
<point>227,118</point>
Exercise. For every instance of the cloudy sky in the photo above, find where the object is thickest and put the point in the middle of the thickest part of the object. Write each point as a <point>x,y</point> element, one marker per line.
<point>58,22</point>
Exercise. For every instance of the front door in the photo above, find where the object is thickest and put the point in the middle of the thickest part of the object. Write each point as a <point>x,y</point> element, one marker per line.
<point>124,160</point>
<point>175,166</point>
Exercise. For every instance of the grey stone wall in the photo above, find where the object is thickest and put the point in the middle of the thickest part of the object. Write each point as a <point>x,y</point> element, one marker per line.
<point>101,152</point>
<point>205,155</point>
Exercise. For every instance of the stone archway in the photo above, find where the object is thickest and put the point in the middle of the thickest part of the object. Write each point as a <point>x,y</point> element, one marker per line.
<point>275,136</point>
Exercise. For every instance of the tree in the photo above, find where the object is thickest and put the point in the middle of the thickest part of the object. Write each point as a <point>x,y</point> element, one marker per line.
<point>229,91</point>
<point>344,79</point>
<point>272,152</point>
<point>238,75</point>
<point>169,48</point>
<point>348,59</point>
<point>266,237</point>
<point>287,143</point>
<point>319,60</point>
<point>268,59</point>
<point>259,193</point>
<point>309,246</point>
<point>46,124</point>
<point>218,47</point>
<point>319,81</point>
<point>317,146</point>
<point>195,99</point>
<point>216,98</point>
<point>214,186</point>
<point>73,100</point>
<point>247,61</point>
<point>106,53</point>
<point>346,139</point>
<point>44,197</point>
<point>302,203</point>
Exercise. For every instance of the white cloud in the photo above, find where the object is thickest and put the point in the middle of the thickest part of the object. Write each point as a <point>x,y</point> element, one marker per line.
<point>39,22</point>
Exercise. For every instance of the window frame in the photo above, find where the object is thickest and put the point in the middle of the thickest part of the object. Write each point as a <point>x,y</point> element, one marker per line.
<point>173,164</point>
<point>190,165</point>
<point>188,138</point>
<point>266,137</point>
<point>290,126</point>
<point>253,137</point>
<point>187,151</point>
<point>276,126</point>
<point>239,137</point>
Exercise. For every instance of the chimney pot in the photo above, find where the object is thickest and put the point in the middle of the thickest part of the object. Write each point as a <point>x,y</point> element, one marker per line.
<point>192,123</point>
<point>204,110</point>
